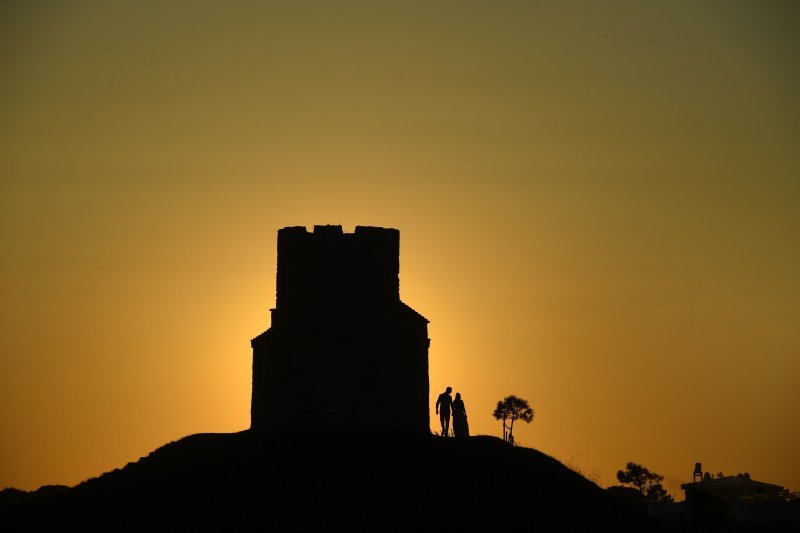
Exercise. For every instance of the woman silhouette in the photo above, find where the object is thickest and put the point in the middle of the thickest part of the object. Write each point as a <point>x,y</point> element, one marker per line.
<point>460,425</point>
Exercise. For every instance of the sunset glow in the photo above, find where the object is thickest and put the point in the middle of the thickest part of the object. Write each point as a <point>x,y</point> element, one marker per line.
<point>597,205</point>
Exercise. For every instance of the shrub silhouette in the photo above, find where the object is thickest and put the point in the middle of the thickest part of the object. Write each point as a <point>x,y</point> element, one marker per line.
<point>646,482</point>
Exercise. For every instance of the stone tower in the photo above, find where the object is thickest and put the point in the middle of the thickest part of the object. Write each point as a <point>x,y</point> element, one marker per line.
<point>343,351</point>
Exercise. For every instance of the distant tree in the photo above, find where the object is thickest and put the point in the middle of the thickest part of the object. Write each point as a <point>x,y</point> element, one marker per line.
<point>646,482</point>
<point>657,494</point>
<point>720,474</point>
<point>510,409</point>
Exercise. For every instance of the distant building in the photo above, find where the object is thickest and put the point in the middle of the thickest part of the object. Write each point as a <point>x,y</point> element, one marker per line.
<point>730,489</point>
<point>343,350</point>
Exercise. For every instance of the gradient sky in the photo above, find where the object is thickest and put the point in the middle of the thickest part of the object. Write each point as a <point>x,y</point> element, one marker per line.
<point>599,207</point>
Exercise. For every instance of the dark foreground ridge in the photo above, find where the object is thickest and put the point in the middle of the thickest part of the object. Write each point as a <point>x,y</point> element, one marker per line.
<point>335,480</point>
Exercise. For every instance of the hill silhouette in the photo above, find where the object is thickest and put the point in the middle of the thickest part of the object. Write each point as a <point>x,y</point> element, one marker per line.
<point>352,480</point>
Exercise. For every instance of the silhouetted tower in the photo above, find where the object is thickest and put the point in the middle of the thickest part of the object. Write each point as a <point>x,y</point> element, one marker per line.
<point>343,351</point>
<point>697,475</point>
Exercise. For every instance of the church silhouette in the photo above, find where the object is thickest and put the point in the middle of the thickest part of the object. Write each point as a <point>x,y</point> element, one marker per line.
<point>343,351</point>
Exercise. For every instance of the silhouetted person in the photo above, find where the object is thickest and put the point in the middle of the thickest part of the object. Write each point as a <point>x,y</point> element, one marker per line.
<point>444,404</point>
<point>460,425</point>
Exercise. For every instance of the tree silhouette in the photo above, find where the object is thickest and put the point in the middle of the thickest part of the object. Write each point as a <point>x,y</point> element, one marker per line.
<point>512,408</point>
<point>646,482</point>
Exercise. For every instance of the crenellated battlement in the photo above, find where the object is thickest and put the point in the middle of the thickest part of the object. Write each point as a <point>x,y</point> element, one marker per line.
<point>330,269</point>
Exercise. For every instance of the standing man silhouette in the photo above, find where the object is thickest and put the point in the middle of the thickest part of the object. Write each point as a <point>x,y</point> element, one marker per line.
<point>443,404</point>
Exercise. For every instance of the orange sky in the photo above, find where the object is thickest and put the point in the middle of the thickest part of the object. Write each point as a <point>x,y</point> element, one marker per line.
<point>598,207</point>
